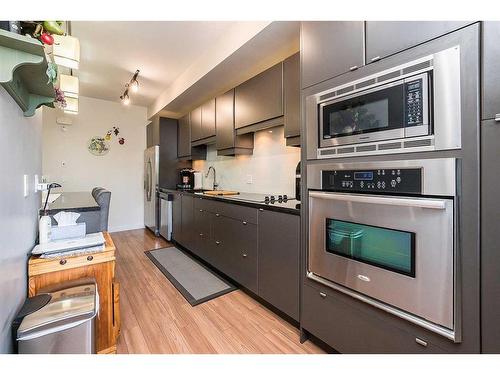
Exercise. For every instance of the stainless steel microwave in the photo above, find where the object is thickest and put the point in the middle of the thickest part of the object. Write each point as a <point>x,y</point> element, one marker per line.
<point>410,107</point>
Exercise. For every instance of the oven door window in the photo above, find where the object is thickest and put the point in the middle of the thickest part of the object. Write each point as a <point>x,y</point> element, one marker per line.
<point>365,113</point>
<point>390,249</point>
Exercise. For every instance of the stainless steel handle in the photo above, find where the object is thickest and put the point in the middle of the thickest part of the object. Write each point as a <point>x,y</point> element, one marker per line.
<point>217,215</point>
<point>376,58</point>
<point>245,223</point>
<point>437,204</point>
<point>201,210</point>
<point>497,117</point>
<point>353,68</point>
<point>421,342</point>
<point>217,242</point>
<point>244,255</point>
<point>323,295</point>
<point>201,234</point>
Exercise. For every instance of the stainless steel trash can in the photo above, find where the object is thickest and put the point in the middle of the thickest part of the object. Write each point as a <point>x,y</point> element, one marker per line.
<point>64,324</point>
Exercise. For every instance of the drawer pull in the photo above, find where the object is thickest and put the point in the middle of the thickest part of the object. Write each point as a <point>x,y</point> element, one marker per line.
<point>421,342</point>
<point>261,209</point>
<point>90,257</point>
<point>201,234</point>
<point>497,117</point>
<point>376,58</point>
<point>201,210</point>
<point>62,262</point>
<point>323,295</point>
<point>217,215</point>
<point>353,68</point>
<point>217,242</point>
<point>245,223</point>
<point>244,255</point>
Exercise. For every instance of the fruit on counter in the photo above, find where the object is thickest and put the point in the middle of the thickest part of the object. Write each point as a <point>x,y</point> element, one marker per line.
<point>46,38</point>
<point>53,27</point>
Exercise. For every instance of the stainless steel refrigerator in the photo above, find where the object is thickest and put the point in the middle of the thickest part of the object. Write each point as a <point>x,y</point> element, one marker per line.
<point>151,175</point>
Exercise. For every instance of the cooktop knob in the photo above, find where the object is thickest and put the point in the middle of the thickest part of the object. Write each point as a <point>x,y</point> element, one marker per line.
<point>285,197</point>
<point>266,199</point>
<point>280,198</point>
<point>272,198</point>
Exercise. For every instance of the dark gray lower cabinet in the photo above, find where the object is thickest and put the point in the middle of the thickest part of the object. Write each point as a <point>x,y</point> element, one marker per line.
<point>187,219</point>
<point>279,261</point>
<point>490,237</point>
<point>349,330</point>
<point>177,217</point>
<point>202,232</point>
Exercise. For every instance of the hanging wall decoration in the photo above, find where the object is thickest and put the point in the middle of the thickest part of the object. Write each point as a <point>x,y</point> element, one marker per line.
<point>115,131</point>
<point>98,146</point>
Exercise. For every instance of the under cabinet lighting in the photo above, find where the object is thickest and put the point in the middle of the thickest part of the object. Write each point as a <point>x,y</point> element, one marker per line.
<point>69,85</point>
<point>66,50</point>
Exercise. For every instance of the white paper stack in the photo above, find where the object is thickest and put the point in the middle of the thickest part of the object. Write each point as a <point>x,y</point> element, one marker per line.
<point>62,246</point>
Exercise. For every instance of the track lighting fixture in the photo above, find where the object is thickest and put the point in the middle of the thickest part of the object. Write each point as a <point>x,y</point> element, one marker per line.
<point>132,85</point>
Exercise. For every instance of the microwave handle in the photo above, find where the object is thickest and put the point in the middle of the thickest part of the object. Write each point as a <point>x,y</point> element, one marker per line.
<point>436,204</point>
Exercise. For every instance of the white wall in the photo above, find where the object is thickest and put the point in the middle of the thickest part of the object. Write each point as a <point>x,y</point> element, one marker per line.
<point>272,166</point>
<point>120,171</point>
<point>20,154</point>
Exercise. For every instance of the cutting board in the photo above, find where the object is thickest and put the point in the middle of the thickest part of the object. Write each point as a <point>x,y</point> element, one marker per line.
<point>221,192</point>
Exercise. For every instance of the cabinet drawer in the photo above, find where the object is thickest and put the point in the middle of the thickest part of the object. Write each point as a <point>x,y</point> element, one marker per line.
<point>233,211</point>
<point>350,330</point>
<point>40,266</point>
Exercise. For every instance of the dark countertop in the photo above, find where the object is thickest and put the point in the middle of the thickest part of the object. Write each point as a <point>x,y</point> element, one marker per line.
<point>289,207</point>
<point>80,201</point>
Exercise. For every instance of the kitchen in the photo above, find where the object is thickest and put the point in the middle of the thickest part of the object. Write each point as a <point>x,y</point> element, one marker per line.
<point>285,187</point>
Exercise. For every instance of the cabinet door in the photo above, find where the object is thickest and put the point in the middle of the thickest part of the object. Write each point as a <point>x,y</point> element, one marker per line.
<point>330,48</point>
<point>279,244</point>
<point>490,236</point>
<point>224,119</point>
<point>187,219</point>
<point>196,130</point>
<point>202,233</point>
<point>491,69</point>
<point>208,119</point>
<point>260,98</point>
<point>184,137</point>
<point>291,95</point>
<point>177,217</point>
<point>384,38</point>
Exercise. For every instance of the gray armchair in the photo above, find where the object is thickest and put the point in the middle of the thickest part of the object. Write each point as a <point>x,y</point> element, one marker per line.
<point>103,198</point>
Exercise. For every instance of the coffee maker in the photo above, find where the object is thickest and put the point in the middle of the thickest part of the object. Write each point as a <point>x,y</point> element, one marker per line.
<point>186,179</point>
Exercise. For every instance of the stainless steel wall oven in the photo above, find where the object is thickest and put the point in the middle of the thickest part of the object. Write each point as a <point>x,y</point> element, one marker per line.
<point>385,233</point>
<point>410,107</point>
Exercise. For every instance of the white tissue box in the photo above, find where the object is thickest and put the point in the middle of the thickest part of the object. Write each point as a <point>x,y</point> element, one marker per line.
<point>77,230</point>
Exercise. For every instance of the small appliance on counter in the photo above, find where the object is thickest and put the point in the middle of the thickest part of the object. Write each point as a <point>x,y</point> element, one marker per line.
<point>186,179</point>
<point>198,180</point>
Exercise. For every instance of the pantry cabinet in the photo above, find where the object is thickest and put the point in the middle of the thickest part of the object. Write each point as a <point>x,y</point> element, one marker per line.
<point>196,127</point>
<point>184,137</point>
<point>208,119</point>
<point>291,98</point>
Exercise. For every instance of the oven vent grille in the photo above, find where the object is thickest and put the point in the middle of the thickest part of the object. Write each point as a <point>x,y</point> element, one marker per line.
<point>389,146</point>
<point>345,150</point>
<point>388,76</point>
<point>414,68</point>
<point>365,83</point>
<point>418,143</point>
<point>366,148</point>
<point>345,90</point>
<point>328,152</point>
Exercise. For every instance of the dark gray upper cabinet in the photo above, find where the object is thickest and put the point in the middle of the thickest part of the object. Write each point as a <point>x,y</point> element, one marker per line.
<point>153,132</point>
<point>184,137</point>
<point>279,245</point>
<point>291,97</point>
<point>227,142</point>
<point>384,38</point>
<point>491,69</point>
<point>260,98</point>
<point>196,129</point>
<point>490,236</point>
<point>208,119</point>
<point>329,49</point>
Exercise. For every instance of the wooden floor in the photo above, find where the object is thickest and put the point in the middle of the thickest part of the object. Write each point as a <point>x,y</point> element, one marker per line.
<point>157,319</point>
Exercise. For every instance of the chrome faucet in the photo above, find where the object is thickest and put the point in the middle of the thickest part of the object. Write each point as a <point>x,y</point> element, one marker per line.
<point>215,179</point>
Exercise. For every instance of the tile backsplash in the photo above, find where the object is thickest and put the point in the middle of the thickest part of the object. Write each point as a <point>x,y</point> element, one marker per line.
<point>271,168</point>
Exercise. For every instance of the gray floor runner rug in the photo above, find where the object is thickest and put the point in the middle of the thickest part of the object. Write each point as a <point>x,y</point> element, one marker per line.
<point>194,281</point>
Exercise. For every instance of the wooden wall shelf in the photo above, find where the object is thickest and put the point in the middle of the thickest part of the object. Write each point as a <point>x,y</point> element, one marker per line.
<point>22,71</point>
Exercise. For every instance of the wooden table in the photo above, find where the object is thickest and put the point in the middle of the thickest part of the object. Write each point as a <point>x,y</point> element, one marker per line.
<point>45,274</point>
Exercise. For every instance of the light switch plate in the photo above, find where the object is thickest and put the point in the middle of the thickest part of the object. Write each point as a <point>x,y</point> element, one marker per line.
<point>249,179</point>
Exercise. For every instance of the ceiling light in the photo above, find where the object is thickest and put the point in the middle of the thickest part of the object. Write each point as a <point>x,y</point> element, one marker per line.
<point>69,85</point>
<point>71,106</point>
<point>133,85</point>
<point>66,50</point>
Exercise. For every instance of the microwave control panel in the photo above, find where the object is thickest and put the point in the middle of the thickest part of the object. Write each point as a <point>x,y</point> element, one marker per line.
<point>414,110</point>
<point>388,180</point>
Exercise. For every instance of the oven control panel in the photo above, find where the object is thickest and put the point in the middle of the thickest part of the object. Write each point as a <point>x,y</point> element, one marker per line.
<point>389,180</point>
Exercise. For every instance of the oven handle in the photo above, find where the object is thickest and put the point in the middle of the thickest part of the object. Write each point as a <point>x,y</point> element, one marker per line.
<point>436,204</point>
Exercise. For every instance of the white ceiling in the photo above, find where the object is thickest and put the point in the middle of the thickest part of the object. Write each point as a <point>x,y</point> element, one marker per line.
<point>162,50</point>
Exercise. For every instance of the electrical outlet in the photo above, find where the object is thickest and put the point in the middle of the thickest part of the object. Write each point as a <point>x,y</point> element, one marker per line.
<point>26,185</point>
<point>249,179</point>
